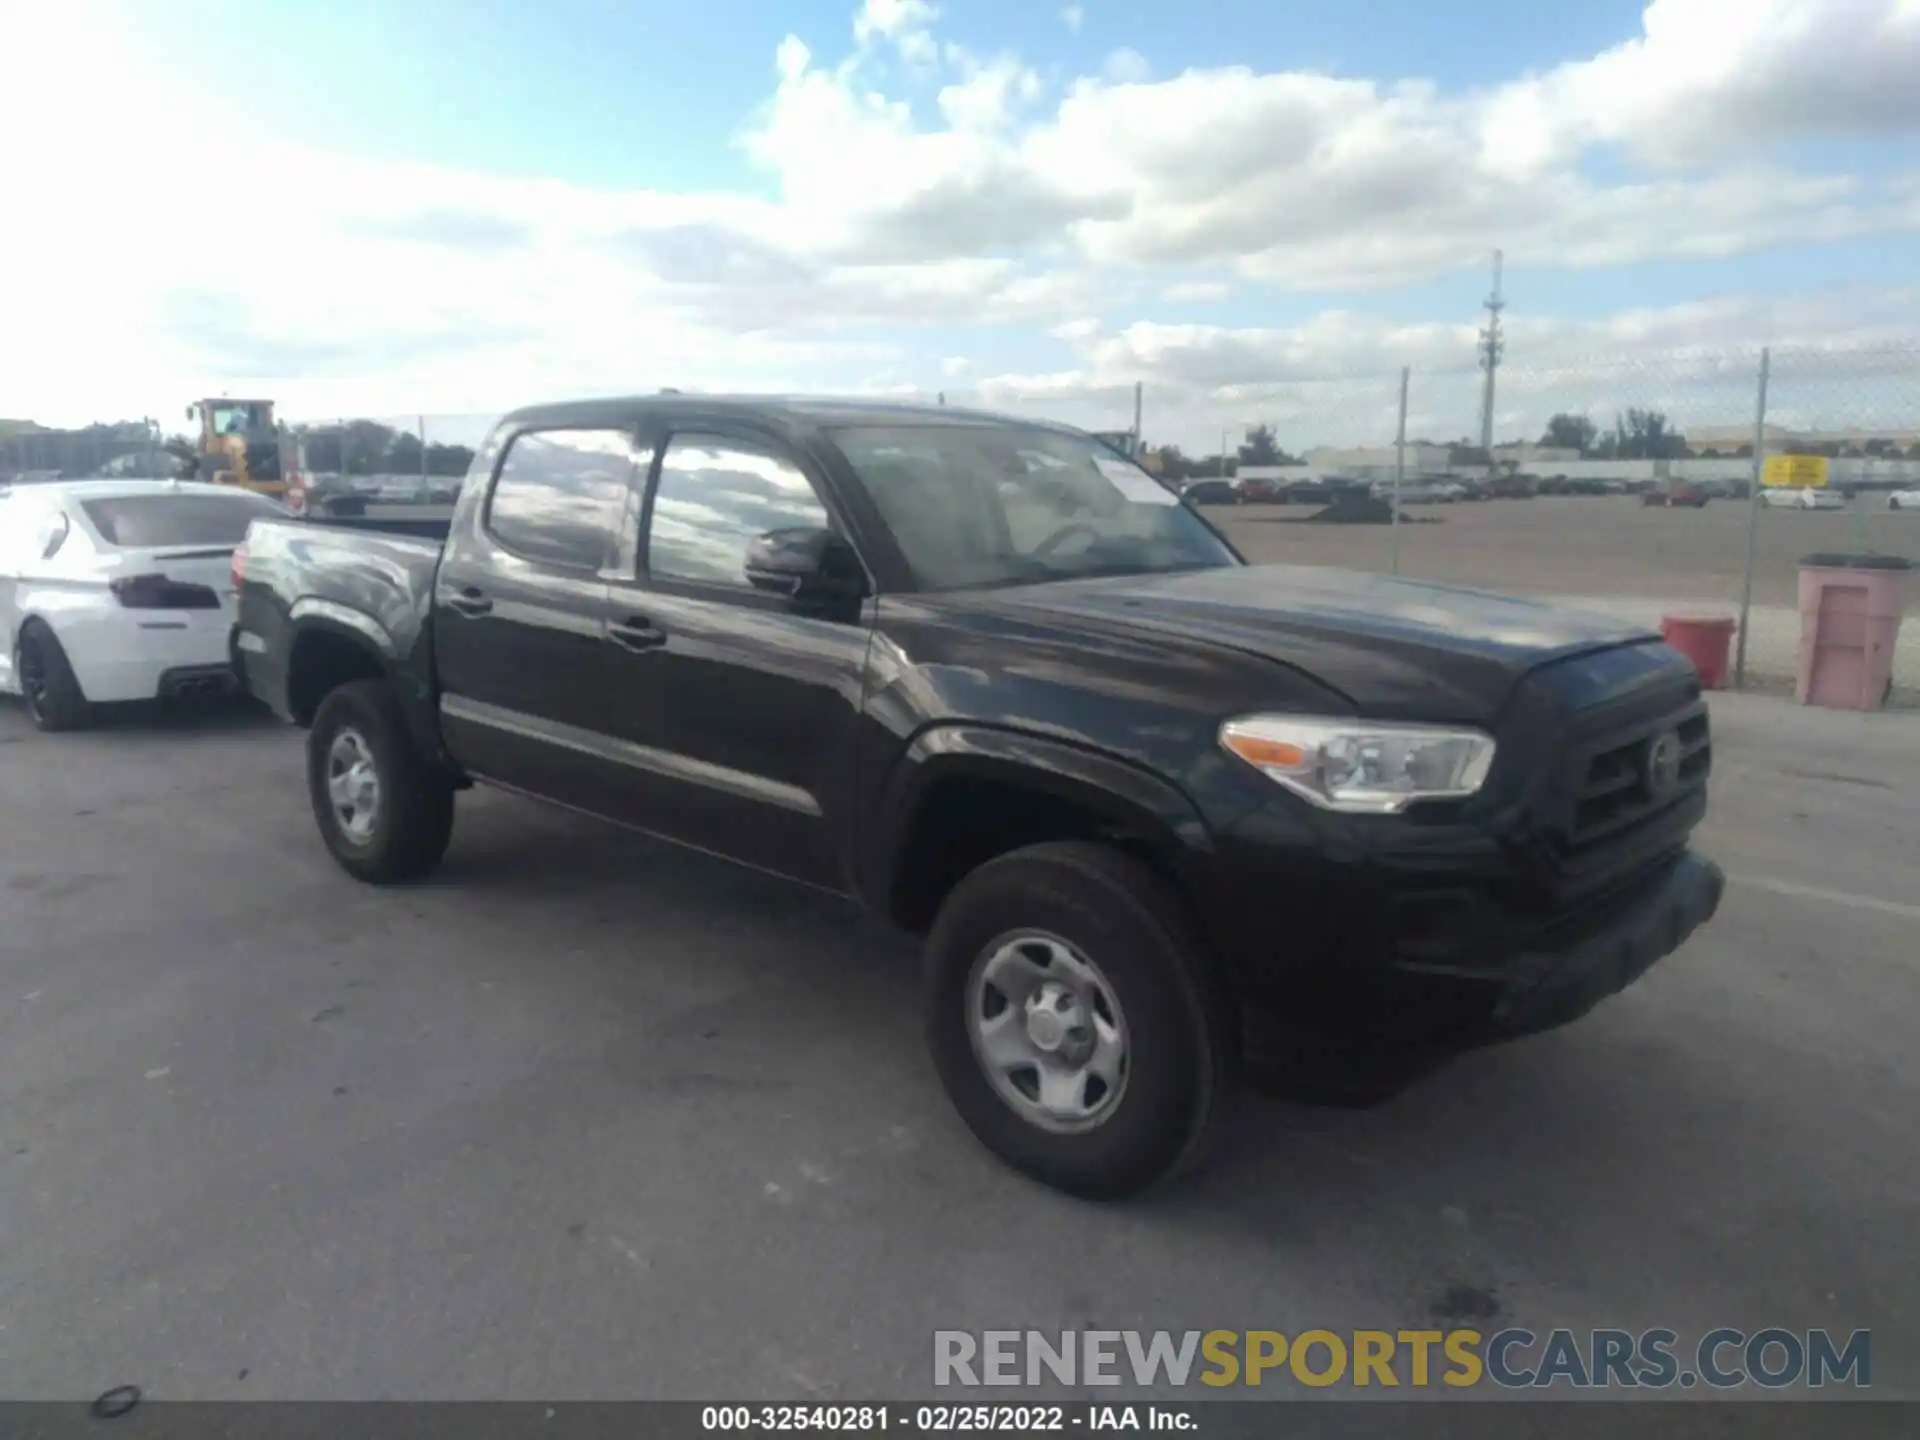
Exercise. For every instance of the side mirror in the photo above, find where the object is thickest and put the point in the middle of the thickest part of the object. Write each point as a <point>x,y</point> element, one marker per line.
<point>813,567</point>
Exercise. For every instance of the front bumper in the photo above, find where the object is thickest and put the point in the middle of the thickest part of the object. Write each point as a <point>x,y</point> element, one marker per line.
<point>1552,987</point>
<point>1368,990</point>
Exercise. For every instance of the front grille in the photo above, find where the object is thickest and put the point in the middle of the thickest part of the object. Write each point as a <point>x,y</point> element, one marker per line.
<point>1623,786</point>
<point>1599,814</point>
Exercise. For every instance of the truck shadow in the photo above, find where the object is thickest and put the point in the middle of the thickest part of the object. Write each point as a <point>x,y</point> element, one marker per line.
<point>807,959</point>
<point>209,716</point>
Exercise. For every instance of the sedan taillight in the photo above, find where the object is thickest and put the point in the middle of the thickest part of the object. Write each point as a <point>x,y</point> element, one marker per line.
<point>157,592</point>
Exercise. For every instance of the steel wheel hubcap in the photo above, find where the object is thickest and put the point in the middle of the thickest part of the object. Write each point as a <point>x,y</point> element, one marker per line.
<point>1047,1031</point>
<point>353,786</point>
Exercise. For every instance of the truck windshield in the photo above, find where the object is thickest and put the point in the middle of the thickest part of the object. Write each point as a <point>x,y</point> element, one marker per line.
<point>139,522</point>
<point>982,505</point>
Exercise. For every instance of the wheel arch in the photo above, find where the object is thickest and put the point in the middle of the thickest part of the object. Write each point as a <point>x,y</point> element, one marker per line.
<point>328,646</point>
<point>962,794</point>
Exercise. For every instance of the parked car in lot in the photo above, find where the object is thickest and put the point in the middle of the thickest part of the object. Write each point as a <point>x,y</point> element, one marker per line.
<point>1903,500</point>
<point>1257,491</point>
<point>1806,497</point>
<point>1677,495</point>
<point>1153,808</point>
<point>1512,487</point>
<point>1310,492</point>
<point>115,590</point>
<point>1210,492</point>
<point>1419,492</point>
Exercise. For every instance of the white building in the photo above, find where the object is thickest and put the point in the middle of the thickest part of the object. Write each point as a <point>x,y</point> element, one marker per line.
<point>1521,453</point>
<point>1731,439</point>
<point>1376,462</point>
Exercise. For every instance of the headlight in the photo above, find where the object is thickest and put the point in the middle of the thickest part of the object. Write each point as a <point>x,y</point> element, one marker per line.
<point>1361,768</point>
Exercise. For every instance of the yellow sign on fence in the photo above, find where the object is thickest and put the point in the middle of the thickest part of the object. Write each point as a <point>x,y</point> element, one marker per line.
<point>1798,472</point>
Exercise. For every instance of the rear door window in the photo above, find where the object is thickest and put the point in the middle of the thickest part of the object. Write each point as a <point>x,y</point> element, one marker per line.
<point>141,522</point>
<point>560,496</point>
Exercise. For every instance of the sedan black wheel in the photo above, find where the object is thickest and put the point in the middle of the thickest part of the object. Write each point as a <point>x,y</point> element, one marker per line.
<point>54,698</point>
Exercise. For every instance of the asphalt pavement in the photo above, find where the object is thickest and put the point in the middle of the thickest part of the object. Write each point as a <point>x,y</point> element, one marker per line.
<point>587,1117</point>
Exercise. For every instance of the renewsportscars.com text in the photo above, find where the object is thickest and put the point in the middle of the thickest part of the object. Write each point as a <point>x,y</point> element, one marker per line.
<point>1721,1359</point>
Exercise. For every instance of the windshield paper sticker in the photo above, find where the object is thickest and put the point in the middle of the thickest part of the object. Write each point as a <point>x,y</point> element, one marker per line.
<point>1134,483</point>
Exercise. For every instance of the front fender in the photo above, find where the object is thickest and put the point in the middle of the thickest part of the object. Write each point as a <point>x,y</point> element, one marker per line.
<point>1135,800</point>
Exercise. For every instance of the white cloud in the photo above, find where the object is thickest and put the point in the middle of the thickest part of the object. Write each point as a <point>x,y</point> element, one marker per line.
<point>1194,291</point>
<point>989,94</point>
<point>905,23</point>
<point>1334,378</point>
<point>968,192</point>
<point>1709,78</point>
<point>1074,16</point>
<point>892,18</point>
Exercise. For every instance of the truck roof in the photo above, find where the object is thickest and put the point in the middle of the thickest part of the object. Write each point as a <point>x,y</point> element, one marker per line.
<point>799,412</point>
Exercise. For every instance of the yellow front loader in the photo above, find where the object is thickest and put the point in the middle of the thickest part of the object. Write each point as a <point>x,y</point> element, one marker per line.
<point>240,445</point>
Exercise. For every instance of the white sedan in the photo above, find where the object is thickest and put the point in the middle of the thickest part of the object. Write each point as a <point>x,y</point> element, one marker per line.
<point>1904,500</point>
<point>117,590</point>
<point>1805,497</point>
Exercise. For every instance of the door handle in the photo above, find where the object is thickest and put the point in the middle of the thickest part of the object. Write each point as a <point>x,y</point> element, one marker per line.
<point>469,602</point>
<point>636,633</point>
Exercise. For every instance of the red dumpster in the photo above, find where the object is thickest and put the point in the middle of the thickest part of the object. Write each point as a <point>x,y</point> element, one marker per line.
<point>1703,639</point>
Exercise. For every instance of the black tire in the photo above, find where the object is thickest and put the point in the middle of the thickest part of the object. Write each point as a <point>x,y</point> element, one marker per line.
<point>412,819</point>
<point>54,698</point>
<point>1182,1049</point>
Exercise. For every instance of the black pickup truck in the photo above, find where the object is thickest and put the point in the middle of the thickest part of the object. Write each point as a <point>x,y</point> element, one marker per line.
<point>1158,812</point>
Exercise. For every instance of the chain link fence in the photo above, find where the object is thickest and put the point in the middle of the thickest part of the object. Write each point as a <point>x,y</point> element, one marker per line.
<point>1623,482</point>
<point>1620,483</point>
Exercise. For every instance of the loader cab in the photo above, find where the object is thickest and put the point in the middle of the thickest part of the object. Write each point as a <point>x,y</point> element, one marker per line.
<point>239,444</point>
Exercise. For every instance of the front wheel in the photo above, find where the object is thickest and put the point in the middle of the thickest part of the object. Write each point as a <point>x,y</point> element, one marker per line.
<point>1076,1020</point>
<point>384,811</point>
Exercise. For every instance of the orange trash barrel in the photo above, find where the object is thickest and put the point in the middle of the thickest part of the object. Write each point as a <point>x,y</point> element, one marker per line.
<point>1850,608</point>
<point>1703,639</point>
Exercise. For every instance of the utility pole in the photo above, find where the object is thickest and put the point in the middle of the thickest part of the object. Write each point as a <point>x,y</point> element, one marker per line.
<point>1136,417</point>
<point>1492,347</point>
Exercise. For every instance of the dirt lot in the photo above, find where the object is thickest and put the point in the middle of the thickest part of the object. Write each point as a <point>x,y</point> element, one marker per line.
<point>1581,545</point>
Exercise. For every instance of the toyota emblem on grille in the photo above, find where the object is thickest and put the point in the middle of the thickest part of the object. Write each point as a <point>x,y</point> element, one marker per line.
<point>1663,764</point>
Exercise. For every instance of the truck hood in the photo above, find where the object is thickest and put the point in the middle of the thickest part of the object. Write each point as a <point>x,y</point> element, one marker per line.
<point>1397,649</point>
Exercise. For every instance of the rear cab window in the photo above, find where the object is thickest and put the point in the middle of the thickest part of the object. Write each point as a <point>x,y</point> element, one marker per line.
<point>560,496</point>
<point>144,522</point>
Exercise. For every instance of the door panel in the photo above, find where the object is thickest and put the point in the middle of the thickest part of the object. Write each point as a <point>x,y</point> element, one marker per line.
<point>742,712</point>
<point>520,613</point>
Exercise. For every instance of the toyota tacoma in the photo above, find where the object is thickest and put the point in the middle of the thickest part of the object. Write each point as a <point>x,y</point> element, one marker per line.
<point>1158,813</point>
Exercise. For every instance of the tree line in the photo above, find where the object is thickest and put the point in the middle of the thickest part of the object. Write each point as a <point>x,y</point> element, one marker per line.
<point>1647,435</point>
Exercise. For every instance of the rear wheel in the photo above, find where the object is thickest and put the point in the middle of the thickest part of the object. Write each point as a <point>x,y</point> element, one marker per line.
<point>54,698</point>
<point>384,811</point>
<point>1075,1019</point>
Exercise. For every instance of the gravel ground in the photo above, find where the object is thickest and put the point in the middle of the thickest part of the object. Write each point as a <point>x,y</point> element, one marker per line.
<point>1583,545</point>
<point>585,1117</point>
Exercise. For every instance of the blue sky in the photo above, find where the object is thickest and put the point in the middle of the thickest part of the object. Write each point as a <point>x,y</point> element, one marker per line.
<point>473,204</point>
<point>649,94</point>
